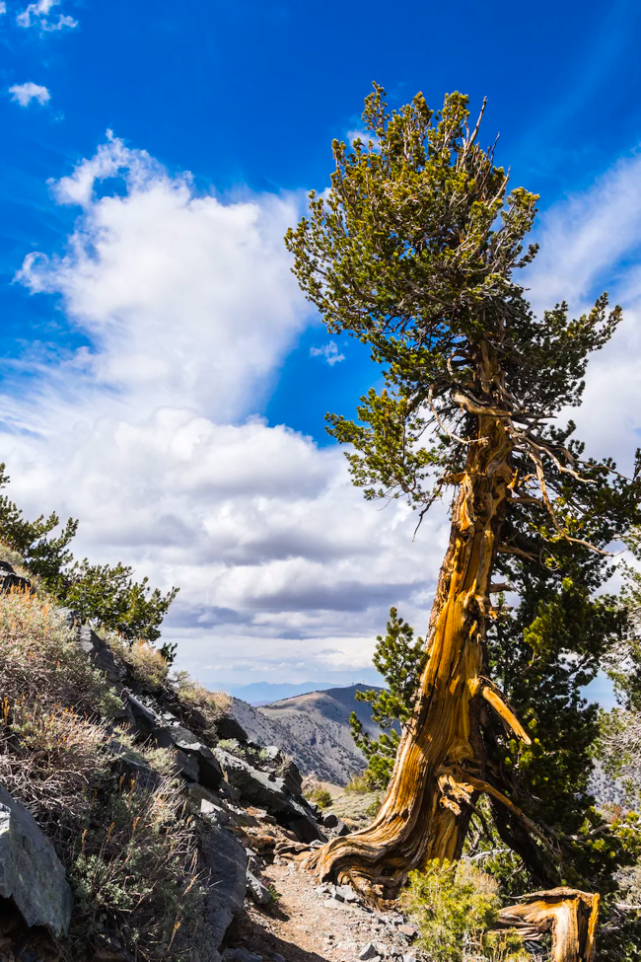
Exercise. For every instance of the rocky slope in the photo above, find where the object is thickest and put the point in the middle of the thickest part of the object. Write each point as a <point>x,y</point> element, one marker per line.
<point>247,814</point>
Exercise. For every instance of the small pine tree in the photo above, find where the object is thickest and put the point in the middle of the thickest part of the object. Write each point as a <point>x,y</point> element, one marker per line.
<point>104,594</point>
<point>400,660</point>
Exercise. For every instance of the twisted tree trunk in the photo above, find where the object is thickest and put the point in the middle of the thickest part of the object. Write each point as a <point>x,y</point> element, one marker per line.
<point>568,915</point>
<point>440,766</point>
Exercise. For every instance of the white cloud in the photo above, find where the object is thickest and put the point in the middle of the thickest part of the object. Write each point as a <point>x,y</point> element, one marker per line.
<point>25,93</point>
<point>190,307</point>
<point>329,352</point>
<point>3,7</point>
<point>147,436</point>
<point>37,15</point>
<point>589,242</point>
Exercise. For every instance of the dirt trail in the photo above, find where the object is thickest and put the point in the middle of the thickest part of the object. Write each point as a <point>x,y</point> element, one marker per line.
<point>310,923</point>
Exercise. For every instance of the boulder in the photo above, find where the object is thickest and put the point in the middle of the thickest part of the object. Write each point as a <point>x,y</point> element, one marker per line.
<point>127,762</point>
<point>98,651</point>
<point>225,862</point>
<point>271,792</point>
<point>30,871</point>
<point>9,580</point>
<point>194,759</point>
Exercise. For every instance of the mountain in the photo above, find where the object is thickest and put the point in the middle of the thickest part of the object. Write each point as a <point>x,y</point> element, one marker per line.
<point>265,692</point>
<point>313,728</point>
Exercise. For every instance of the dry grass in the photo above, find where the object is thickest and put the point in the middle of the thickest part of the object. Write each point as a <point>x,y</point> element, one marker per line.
<point>40,659</point>
<point>130,851</point>
<point>213,705</point>
<point>146,664</point>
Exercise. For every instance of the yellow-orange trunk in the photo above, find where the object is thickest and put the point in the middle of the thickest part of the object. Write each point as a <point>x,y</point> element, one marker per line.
<point>440,765</point>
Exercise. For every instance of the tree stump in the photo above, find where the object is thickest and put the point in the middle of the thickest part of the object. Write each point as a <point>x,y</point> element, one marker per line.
<point>568,915</point>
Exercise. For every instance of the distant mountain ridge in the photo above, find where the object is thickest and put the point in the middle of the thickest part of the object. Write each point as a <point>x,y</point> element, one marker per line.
<point>313,728</point>
<point>266,692</point>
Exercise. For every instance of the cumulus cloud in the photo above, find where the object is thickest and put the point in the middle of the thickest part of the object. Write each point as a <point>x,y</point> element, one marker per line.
<point>148,435</point>
<point>3,7</point>
<point>38,15</point>
<point>329,352</point>
<point>25,93</point>
<point>590,242</point>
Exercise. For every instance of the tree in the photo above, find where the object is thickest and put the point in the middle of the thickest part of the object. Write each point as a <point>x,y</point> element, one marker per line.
<point>104,594</point>
<point>401,661</point>
<point>413,251</point>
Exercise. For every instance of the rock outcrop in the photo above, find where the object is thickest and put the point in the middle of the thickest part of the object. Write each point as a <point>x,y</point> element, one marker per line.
<point>30,871</point>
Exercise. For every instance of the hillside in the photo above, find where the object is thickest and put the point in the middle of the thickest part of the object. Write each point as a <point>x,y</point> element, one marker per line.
<point>141,822</point>
<point>313,728</point>
<point>318,726</point>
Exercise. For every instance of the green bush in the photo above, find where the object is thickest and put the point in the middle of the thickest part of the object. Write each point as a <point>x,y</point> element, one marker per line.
<point>102,594</point>
<point>455,906</point>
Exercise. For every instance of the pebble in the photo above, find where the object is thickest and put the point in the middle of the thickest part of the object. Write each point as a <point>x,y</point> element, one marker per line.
<point>334,904</point>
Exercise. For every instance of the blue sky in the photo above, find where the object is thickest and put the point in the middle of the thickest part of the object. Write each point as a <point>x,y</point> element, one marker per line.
<point>163,379</point>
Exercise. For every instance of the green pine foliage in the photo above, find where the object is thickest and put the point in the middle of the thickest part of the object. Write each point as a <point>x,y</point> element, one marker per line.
<point>400,659</point>
<point>106,595</point>
<point>455,907</point>
<point>415,251</point>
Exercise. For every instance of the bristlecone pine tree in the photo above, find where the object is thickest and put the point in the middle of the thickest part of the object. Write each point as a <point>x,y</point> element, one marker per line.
<point>413,251</point>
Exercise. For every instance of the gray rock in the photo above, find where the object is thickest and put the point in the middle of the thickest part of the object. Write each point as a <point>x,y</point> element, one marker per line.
<point>369,951</point>
<point>253,864</point>
<point>99,653</point>
<point>334,904</point>
<point>346,892</point>
<point>30,871</point>
<point>226,861</point>
<point>258,892</point>
<point>329,820</point>
<point>195,760</point>
<point>241,955</point>
<point>270,791</point>
<point>409,931</point>
<point>9,580</point>
<point>410,958</point>
<point>128,763</point>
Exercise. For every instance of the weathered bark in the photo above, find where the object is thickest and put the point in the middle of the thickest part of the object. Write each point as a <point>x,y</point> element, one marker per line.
<point>440,766</point>
<point>569,915</point>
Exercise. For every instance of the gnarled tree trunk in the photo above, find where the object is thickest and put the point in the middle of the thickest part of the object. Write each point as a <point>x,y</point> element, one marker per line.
<point>440,766</point>
<point>569,915</point>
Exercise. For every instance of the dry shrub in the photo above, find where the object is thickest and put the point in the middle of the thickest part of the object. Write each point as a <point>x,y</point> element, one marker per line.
<point>136,872</point>
<point>213,705</point>
<point>360,785</point>
<point>145,662</point>
<point>15,559</point>
<point>130,850</point>
<point>40,658</point>
<point>315,791</point>
<point>47,760</point>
